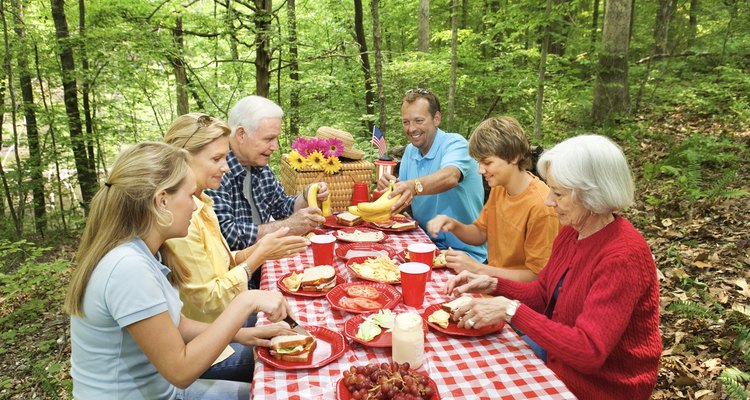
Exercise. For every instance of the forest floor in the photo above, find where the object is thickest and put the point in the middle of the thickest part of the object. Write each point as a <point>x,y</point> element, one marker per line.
<point>701,250</point>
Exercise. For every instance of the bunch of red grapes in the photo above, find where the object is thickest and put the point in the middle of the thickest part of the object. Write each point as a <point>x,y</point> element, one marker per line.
<point>387,381</point>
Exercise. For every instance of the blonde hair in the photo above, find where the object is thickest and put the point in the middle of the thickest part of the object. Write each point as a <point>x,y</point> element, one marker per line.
<point>502,137</point>
<point>192,132</point>
<point>125,208</point>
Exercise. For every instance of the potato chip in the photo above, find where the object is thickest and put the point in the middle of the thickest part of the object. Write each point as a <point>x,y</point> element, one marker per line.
<point>381,269</point>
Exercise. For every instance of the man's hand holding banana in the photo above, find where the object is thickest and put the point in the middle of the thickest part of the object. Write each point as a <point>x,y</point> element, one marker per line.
<point>405,191</point>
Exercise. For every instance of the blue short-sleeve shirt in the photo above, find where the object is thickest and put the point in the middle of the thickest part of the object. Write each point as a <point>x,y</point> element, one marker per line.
<point>463,202</point>
<point>128,285</point>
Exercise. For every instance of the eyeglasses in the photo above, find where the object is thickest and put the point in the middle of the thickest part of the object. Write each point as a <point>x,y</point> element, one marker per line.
<point>418,91</point>
<point>204,121</point>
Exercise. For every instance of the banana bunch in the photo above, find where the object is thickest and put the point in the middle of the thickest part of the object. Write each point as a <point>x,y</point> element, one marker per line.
<point>312,200</point>
<point>378,210</point>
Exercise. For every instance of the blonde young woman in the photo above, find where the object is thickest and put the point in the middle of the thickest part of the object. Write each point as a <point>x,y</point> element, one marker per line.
<point>128,337</point>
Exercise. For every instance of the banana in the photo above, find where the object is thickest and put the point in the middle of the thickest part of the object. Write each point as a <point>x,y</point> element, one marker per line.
<point>327,206</point>
<point>381,204</point>
<point>382,217</point>
<point>312,195</point>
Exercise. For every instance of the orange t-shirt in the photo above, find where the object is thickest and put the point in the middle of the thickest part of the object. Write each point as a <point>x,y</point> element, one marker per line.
<point>520,229</point>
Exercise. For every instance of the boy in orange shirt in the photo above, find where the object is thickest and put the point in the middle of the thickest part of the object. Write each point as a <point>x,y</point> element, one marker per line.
<point>516,224</point>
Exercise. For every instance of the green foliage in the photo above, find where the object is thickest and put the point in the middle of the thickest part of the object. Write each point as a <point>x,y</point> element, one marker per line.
<point>691,309</point>
<point>735,382</point>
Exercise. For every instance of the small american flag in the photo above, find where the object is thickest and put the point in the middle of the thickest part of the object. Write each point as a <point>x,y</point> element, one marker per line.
<point>379,141</point>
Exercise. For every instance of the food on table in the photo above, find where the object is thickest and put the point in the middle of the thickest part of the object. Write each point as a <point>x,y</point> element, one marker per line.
<point>396,225</point>
<point>385,381</point>
<point>440,317</point>
<point>451,306</point>
<point>438,261</point>
<point>360,236</point>
<point>315,279</point>
<point>365,253</point>
<point>371,326</point>
<point>348,219</point>
<point>381,269</point>
<point>365,291</point>
<point>366,304</point>
<point>378,210</point>
<point>293,348</point>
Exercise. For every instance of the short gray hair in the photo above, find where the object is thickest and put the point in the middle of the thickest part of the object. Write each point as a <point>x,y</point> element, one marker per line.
<point>594,168</point>
<point>250,110</point>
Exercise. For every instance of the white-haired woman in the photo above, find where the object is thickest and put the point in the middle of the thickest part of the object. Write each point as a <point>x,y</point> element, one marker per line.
<point>595,308</point>
<point>129,339</point>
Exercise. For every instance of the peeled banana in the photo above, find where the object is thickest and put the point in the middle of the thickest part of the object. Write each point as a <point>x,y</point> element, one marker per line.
<point>327,206</point>
<point>378,210</point>
<point>312,195</point>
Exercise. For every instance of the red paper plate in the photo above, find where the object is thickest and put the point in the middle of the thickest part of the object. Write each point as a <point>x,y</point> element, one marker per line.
<point>403,256</point>
<point>359,260</point>
<point>302,293</point>
<point>331,223</point>
<point>373,250</point>
<point>386,225</point>
<point>351,326</point>
<point>453,328</point>
<point>331,345</point>
<point>382,236</point>
<point>389,296</point>
<point>342,393</point>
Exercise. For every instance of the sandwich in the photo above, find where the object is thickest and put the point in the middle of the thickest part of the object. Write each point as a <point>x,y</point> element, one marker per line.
<point>293,348</point>
<point>451,306</point>
<point>404,225</point>
<point>440,317</point>
<point>348,219</point>
<point>315,279</point>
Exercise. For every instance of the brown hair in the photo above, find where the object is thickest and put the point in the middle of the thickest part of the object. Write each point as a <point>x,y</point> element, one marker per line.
<point>502,137</point>
<point>413,95</point>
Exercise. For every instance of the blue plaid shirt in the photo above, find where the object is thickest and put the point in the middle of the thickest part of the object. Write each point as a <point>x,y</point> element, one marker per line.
<point>234,211</point>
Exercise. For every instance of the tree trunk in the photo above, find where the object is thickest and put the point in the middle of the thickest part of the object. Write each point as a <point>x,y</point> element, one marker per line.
<point>17,221</point>
<point>32,133</point>
<point>86,88</point>
<point>359,29</point>
<point>594,25</point>
<point>423,32</point>
<point>374,5</point>
<point>557,33</point>
<point>454,63</point>
<point>86,177</point>
<point>293,70</point>
<point>693,21</point>
<point>263,15</point>
<point>611,90</point>
<point>661,28</point>
<point>180,76</point>
<point>542,71</point>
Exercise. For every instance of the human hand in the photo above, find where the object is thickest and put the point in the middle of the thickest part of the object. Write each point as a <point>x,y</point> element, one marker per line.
<point>482,312</point>
<point>385,180</point>
<point>259,335</point>
<point>304,220</point>
<point>459,261</point>
<point>469,282</point>
<point>276,245</point>
<point>323,191</point>
<point>406,190</point>
<point>441,223</point>
<point>272,303</point>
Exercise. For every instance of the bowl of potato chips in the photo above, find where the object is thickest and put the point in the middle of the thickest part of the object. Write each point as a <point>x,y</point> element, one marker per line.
<point>376,269</point>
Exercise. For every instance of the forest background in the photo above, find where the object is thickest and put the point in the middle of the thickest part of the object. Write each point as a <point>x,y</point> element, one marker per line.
<point>669,80</point>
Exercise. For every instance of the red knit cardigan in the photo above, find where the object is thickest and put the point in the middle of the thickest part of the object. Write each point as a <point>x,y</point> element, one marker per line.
<point>603,339</point>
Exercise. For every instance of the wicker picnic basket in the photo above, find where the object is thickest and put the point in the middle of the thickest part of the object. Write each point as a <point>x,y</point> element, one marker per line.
<point>340,184</point>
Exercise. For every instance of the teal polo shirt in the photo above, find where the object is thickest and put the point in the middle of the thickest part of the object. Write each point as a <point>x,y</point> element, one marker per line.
<point>463,202</point>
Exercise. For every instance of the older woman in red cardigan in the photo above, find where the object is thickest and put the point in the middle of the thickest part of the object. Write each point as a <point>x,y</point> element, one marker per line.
<point>593,314</point>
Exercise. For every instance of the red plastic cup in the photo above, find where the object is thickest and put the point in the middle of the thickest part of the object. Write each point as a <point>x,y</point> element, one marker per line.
<point>422,253</point>
<point>413,282</point>
<point>322,249</point>
<point>360,193</point>
<point>376,194</point>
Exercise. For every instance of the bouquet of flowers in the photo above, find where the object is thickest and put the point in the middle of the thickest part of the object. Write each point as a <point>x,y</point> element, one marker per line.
<point>317,153</point>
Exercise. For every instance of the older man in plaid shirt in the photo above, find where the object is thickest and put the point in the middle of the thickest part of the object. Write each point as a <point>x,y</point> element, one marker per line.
<point>250,195</point>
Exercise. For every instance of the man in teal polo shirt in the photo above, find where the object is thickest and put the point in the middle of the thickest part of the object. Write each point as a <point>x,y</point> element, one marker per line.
<point>437,175</point>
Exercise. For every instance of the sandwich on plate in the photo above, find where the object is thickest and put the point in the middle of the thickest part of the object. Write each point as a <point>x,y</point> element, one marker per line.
<point>293,348</point>
<point>451,306</point>
<point>315,279</point>
<point>445,313</point>
<point>348,219</point>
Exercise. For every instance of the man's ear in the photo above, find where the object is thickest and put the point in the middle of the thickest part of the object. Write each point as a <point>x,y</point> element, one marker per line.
<point>240,134</point>
<point>437,118</point>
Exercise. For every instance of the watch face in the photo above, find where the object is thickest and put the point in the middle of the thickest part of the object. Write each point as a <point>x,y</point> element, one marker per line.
<point>419,187</point>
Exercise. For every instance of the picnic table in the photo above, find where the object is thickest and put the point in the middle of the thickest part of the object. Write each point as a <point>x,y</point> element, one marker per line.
<point>497,366</point>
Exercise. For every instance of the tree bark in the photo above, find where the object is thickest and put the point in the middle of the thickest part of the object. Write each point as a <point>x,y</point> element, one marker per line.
<point>6,186</point>
<point>661,27</point>
<point>454,63</point>
<point>611,89</point>
<point>693,22</point>
<point>423,32</point>
<point>86,177</point>
<point>362,42</point>
<point>293,70</point>
<point>263,15</point>
<point>542,71</point>
<point>557,33</point>
<point>594,25</point>
<point>374,5</point>
<point>180,76</point>
<point>32,133</point>
<point>86,87</point>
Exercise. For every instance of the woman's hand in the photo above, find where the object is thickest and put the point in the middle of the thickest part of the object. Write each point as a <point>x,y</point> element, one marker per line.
<point>469,282</point>
<point>276,245</point>
<point>273,304</point>
<point>480,313</point>
<point>259,335</point>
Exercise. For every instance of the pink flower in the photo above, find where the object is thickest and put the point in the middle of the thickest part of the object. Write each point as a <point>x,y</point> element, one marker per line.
<point>333,147</point>
<point>301,145</point>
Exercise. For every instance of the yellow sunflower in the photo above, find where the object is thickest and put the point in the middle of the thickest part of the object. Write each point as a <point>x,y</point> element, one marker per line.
<point>316,160</point>
<point>332,165</point>
<point>296,160</point>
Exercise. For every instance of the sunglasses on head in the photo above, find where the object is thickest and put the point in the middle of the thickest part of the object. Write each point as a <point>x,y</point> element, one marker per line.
<point>203,121</point>
<point>418,91</point>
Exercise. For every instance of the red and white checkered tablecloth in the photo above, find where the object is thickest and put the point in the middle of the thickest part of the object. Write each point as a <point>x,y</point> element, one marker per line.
<point>496,366</point>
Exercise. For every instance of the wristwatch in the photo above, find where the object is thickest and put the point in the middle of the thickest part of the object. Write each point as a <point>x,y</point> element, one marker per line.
<point>510,311</point>
<point>418,188</point>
